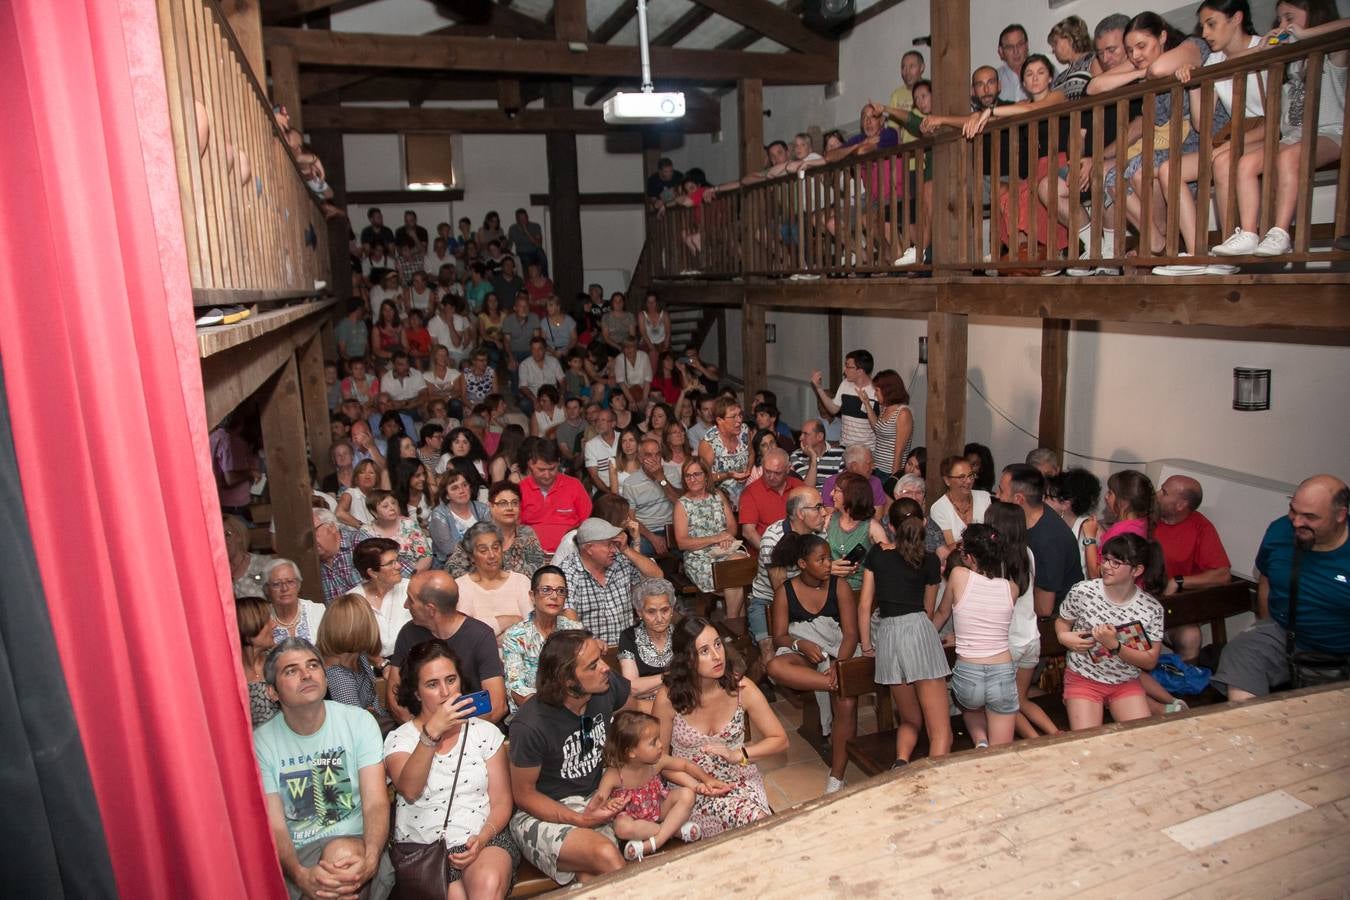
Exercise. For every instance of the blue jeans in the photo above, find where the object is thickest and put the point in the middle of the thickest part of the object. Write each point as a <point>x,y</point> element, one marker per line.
<point>757,618</point>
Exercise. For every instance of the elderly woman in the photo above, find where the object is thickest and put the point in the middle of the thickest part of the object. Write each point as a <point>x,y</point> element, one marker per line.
<point>389,521</point>
<point>456,513</point>
<point>520,547</point>
<point>353,509</point>
<point>247,570</point>
<point>291,616</point>
<point>705,527</point>
<point>725,449</point>
<point>255,639</point>
<point>523,641</point>
<point>497,597</point>
<point>348,637</point>
<point>703,706</point>
<point>911,486</point>
<point>383,587</point>
<point>443,751</point>
<point>644,648</point>
<point>961,505</point>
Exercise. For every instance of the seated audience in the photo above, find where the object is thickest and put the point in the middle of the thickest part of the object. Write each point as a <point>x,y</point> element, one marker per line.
<point>534,372</point>
<point>601,450</point>
<point>900,584</point>
<point>652,498</point>
<point>764,501</point>
<point>353,509</point>
<point>254,622</point>
<point>981,461</point>
<point>1072,47</point>
<point>455,514</point>
<point>859,461</point>
<point>613,509</point>
<point>387,520</point>
<point>617,325</point>
<point>625,464</point>
<point>912,486</point>
<point>480,851</point>
<point>725,449</point>
<point>1012,49</point>
<point>462,443</point>
<point>520,547</point>
<point>1102,669</point>
<point>433,615</point>
<point>852,525</point>
<point>1307,550</point>
<point>601,576</point>
<point>548,414</point>
<point>291,616</point>
<point>961,505</point>
<point>376,560</point>
<point>334,848</point>
<point>632,371</point>
<point>497,597</point>
<point>705,532</point>
<point>984,679</point>
<point>815,621</point>
<point>703,706</point>
<point>334,542</point>
<point>1192,551</point>
<point>348,637</point>
<point>556,749</point>
<point>644,647</point>
<point>522,642</point>
<point>1053,547</point>
<point>816,459</point>
<point>248,570</point>
<point>551,503</point>
<point>1129,504</point>
<point>559,329</point>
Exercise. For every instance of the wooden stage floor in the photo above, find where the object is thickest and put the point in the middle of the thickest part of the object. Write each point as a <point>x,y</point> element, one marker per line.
<point>1233,801</point>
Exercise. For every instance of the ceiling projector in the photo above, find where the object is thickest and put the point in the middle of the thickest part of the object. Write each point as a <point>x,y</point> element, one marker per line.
<point>644,108</point>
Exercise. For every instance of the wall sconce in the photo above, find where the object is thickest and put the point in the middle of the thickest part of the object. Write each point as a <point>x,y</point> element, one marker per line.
<point>923,350</point>
<point>770,333</point>
<point>1251,389</point>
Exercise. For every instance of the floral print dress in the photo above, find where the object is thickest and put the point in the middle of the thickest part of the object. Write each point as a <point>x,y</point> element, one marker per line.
<point>706,518</point>
<point>725,460</point>
<point>413,545</point>
<point>747,801</point>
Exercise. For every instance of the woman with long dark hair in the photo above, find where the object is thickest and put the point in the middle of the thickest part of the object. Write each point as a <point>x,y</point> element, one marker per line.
<point>981,460</point>
<point>984,679</point>
<point>703,706</point>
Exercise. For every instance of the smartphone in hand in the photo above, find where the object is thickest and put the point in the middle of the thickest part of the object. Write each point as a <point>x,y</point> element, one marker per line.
<point>482,702</point>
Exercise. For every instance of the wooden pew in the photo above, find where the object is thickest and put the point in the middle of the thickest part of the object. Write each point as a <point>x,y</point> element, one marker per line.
<point>874,753</point>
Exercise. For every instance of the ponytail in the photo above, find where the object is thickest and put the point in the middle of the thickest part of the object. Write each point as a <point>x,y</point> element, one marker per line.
<point>906,518</point>
<point>1133,550</point>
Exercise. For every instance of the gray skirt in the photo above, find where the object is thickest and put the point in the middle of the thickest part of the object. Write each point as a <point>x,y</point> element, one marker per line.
<point>908,649</point>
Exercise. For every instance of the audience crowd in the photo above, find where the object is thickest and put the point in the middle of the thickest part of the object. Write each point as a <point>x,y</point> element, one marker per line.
<point>529,497</point>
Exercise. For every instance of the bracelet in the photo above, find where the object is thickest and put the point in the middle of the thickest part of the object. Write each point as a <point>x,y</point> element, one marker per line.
<point>427,740</point>
<point>745,756</point>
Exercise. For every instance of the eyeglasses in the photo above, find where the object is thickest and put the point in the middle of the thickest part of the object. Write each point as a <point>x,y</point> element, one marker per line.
<point>287,582</point>
<point>506,504</point>
<point>548,590</point>
<point>967,476</point>
<point>385,565</point>
<point>819,507</point>
<point>1112,563</point>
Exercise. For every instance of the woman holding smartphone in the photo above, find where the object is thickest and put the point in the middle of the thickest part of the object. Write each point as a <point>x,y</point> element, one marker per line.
<point>447,756</point>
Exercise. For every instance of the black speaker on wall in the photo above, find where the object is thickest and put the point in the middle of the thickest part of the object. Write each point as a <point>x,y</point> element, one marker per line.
<point>832,17</point>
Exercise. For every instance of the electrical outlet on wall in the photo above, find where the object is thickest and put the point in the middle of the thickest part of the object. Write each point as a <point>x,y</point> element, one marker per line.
<point>770,333</point>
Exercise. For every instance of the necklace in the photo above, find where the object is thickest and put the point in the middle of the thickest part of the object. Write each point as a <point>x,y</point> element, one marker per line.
<point>287,625</point>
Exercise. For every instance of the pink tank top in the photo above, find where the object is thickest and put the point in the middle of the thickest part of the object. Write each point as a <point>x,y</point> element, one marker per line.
<point>982,616</point>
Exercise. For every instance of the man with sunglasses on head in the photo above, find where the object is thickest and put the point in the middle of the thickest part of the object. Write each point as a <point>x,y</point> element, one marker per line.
<point>556,750</point>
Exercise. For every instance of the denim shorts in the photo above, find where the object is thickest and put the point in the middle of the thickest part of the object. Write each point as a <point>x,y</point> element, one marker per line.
<point>757,618</point>
<point>992,687</point>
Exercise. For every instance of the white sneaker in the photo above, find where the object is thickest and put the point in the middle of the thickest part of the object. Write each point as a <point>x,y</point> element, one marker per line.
<point>1239,243</point>
<point>1220,269</point>
<point>908,258</point>
<point>834,785</point>
<point>1275,243</point>
<point>1079,273</point>
<point>803,276</point>
<point>1180,269</point>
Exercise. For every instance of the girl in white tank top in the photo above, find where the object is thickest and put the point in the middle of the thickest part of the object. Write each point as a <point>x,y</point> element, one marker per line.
<point>985,677</point>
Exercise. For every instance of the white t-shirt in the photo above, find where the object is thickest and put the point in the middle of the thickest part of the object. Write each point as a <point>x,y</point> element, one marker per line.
<point>431,263</point>
<point>1022,630</point>
<point>392,615</point>
<point>1255,102</point>
<point>944,514</point>
<point>854,425</point>
<point>440,334</point>
<point>441,383</point>
<point>406,388</point>
<point>635,373</point>
<point>421,822</point>
<point>377,297</point>
<point>543,421</point>
<point>535,375</point>
<point>600,455</point>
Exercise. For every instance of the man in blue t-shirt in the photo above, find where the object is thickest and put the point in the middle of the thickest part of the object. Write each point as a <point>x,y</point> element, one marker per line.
<point>322,766</point>
<point>1314,532</point>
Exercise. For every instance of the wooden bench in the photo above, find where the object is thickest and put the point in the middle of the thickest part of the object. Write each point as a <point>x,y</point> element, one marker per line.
<point>873,753</point>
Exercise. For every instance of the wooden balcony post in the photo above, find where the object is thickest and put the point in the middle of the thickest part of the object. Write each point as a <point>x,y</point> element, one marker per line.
<point>1054,383</point>
<point>950,20</point>
<point>283,433</point>
<point>564,254</point>
<point>286,82</point>
<point>946,411</point>
<point>245,18</point>
<point>750,119</point>
<point>314,396</point>
<point>753,358</point>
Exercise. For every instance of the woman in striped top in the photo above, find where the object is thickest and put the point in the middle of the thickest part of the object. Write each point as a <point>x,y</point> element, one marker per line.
<point>893,426</point>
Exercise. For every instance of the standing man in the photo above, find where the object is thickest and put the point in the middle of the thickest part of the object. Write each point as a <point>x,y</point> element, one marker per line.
<point>663,185</point>
<point>847,403</point>
<point>528,240</point>
<point>551,503</point>
<point>1052,543</point>
<point>1012,49</point>
<point>902,98</point>
<point>322,767</point>
<point>1310,544</point>
<point>557,757</point>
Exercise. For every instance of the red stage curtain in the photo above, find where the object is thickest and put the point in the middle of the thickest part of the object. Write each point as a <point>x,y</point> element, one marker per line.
<point>105,391</point>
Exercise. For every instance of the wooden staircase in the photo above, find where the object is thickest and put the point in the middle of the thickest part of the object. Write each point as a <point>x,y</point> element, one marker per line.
<point>690,325</point>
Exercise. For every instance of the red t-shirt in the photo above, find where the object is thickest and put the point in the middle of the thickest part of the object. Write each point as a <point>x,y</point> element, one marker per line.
<point>761,507</point>
<point>668,388</point>
<point>1191,546</point>
<point>551,516</point>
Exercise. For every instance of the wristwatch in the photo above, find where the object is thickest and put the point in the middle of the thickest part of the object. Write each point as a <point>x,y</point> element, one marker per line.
<point>1089,541</point>
<point>664,483</point>
<point>1181,581</point>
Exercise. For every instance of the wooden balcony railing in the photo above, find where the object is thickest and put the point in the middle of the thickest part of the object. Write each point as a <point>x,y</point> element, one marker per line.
<point>253,229</point>
<point>861,214</point>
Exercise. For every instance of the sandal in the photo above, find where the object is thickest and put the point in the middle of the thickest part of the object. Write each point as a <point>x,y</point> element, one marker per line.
<point>633,850</point>
<point>690,832</point>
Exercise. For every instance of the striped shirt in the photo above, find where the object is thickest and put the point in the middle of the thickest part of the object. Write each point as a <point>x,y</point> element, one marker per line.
<point>883,451</point>
<point>854,426</point>
<point>830,462</point>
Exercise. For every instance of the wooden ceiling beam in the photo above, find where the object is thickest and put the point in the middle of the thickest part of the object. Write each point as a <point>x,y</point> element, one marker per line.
<point>615,22</point>
<point>402,120</point>
<point>773,22</point>
<point>538,57</point>
<point>671,35</point>
<point>277,11</point>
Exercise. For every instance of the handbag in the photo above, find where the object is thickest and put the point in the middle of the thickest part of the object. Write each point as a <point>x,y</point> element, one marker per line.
<point>1245,123</point>
<point>1309,668</point>
<point>420,869</point>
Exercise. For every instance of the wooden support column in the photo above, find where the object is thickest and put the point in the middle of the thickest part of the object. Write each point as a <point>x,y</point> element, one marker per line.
<point>314,397</point>
<point>283,433</point>
<point>836,343</point>
<point>946,411</point>
<point>950,20</point>
<point>245,18</point>
<point>286,82</point>
<point>721,339</point>
<point>1054,383</point>
<point>564,187</point>
<point>754,362</point>
<point>328,146</point>
<point>750,119</point>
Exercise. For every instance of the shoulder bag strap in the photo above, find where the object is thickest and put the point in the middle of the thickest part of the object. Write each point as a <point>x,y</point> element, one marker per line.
<point>1290,631</point>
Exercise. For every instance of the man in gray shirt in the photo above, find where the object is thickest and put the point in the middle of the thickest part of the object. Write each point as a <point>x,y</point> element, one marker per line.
<point>652,498</point>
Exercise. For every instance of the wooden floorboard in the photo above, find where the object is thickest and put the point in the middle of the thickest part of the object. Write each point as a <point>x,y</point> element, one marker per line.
<point>1075,815</point>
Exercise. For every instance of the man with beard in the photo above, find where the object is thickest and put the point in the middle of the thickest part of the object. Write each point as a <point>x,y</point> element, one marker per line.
<point>1309,544</point>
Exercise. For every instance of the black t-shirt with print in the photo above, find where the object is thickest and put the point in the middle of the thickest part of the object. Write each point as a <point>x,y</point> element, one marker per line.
<point>554,739</point>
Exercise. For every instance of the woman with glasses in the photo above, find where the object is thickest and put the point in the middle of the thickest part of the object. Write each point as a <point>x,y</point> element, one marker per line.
<point>1103,664</point>
<point>523,641</point>
<point>520,547</point>
<point>291,616</point>
<point>497,597</point>
<point>383,586</point>
<point>456,513</point>
<point>644,648</point>
<point>705,530</point>
<point>725,449</point>
<point>961,504</point>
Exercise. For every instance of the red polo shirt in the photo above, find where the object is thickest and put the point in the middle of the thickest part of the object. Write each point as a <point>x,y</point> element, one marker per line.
<point>761,507</point>
<point>552,515</point>
<point>1191,546</point>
